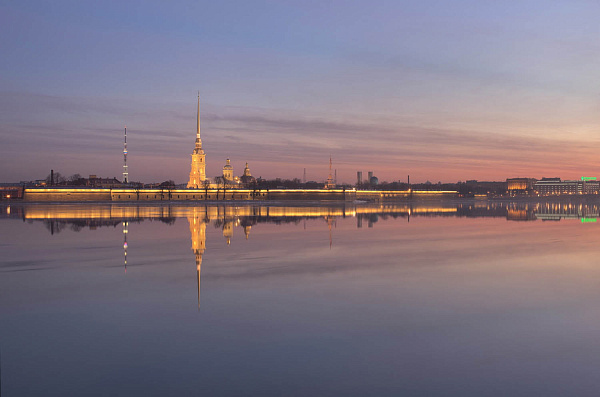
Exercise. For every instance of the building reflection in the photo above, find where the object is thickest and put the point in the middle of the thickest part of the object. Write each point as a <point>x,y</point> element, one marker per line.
<point>76,217</point>
<point>197,220</point>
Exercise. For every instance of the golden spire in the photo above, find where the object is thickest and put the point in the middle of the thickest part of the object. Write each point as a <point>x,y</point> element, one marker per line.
<point>198,148</point>
<point>198,170</point>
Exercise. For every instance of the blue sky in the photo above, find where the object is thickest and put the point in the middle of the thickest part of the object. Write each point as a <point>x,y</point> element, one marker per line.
<point>441,90</point>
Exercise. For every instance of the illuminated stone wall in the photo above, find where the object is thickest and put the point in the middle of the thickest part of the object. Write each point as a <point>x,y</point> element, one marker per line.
<point>67,195</point>
<point>128,195</point>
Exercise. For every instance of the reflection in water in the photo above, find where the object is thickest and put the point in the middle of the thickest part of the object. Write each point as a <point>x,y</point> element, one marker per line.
<point>197,220</point>
<point>79,216</point>
<point>330,222</point>
<point>125,232</point>
<point>443,305</point>
<point>76,217</point>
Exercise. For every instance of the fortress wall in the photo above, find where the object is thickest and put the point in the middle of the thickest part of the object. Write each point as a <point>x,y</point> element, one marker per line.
<point>128,195</point>
<point>378,195</point>
<point>395,195</point>
<point>66,195</point>
<point>307,194</point>
<point>180,195</point>
<point>433,195</point>
<point>228,194</point>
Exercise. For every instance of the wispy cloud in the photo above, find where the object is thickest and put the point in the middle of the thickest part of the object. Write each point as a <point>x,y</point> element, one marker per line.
<point>278,142</point>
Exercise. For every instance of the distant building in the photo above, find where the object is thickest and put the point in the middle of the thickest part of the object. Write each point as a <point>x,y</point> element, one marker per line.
<point>519,185</point>
<point>247,179</point>
<point>11,191</point>
<point>228,171</point>
<point>94,181</point>
<point>590,185</point>
<point>555,186</point>
<point>488,188</point>
<point>370,180</point>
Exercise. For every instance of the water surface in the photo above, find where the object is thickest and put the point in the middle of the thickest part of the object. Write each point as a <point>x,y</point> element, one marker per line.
<point>438,299</point>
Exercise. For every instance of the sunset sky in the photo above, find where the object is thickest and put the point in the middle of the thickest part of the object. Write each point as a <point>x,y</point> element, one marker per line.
<point>441,90</point>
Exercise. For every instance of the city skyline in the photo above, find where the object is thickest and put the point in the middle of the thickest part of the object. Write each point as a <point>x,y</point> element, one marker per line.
<point>442,92</point>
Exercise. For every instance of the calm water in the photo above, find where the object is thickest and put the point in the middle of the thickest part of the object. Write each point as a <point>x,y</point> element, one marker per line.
<point>471,299</point>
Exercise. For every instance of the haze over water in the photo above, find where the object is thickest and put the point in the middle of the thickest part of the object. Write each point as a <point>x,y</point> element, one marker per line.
<point>464,299</point>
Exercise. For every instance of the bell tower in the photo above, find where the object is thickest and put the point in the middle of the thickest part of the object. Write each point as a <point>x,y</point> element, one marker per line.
<point>198,172</point>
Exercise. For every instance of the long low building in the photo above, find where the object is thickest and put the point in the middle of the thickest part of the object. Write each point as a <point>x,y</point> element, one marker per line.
<point>73,194</point>
<point>555,186</point>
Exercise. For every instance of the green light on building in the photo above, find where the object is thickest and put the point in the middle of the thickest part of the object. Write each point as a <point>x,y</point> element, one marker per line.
<point>588,178</point>
<point>588,220</point>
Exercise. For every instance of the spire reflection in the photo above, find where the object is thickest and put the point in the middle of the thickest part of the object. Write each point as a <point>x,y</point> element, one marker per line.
<point>197,221</point>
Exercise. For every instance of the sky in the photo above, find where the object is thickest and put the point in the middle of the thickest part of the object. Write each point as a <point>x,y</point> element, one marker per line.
<point>438,90</point>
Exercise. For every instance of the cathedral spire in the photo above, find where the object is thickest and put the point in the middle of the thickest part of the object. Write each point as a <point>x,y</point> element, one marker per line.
<point>198,120</point>
<point>198,171</point>
<point>198,148</point>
